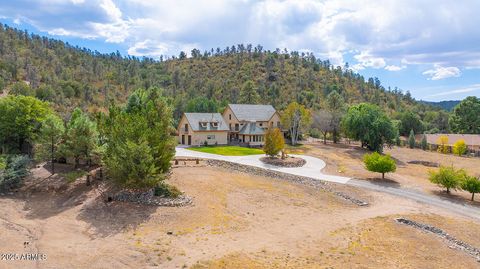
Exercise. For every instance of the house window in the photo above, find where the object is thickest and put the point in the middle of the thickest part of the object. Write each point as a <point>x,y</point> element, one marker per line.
<point>230,116</point>
<point>278,124</point>
<point>215,124</point>
<point>186,127</point>
<point>203,124</point>
<point>210,137</point>
<point>261,124</point>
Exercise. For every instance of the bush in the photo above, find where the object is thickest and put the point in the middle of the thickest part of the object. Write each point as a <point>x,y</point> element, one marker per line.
<point>471,184</point>
<point>15,169</point>
<point>274,142</point>
<point>166,190</point>
<point>459,148</point>
<point>443,144</point>
<point>376,162</point>
<point>447,177</point>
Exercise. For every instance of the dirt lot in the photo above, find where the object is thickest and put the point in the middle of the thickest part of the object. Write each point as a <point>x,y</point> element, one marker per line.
<point>237,221</point>
<point>346,160</point>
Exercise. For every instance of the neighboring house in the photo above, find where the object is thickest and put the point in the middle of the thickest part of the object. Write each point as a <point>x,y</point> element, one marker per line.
<point>198,129</point>
<point>472,140</point>
<point>247,124</point>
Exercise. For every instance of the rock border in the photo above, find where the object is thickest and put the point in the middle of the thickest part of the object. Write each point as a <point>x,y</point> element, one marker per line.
<point>451,240</point>
<point>316,184</point>
<point>282,163</point>
<point>149,198</point>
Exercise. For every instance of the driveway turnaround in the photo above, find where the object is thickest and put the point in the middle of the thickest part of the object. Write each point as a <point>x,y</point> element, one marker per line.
<point>311,169</point>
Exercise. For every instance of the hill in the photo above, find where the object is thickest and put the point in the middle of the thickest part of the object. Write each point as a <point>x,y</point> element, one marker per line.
<point>446,105</point>
<point>70,76</point>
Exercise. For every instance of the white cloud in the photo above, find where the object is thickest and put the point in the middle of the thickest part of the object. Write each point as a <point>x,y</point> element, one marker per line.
<point>365,59</point>
<point>382,33</point>
<point>394,68</point>
<point>440,72</point>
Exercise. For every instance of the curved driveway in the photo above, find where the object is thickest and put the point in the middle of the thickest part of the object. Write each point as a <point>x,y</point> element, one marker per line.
<point>311,169</point>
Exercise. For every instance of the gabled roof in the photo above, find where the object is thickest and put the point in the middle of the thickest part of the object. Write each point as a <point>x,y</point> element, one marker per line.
<point>252,112</point>
<point>196,118</point>
<point>251,128</point>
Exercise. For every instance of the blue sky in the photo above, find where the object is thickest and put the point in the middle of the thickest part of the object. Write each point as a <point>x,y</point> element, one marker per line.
<point>431,48</point>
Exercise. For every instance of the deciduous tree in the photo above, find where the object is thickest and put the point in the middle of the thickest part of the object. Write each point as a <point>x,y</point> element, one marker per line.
<point>274,142</point>
<point>376,162</point>
<point>471,184</point>
<point>447,177</point>
<point>296,118</point>
<point>465,119</point>
<point>369,125</point>
<point>460,147</point>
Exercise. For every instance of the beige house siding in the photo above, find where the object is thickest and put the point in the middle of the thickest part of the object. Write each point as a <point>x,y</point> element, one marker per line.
<point>212,138</point>
<point>198,138</point>
<point>230,119</point>
<point>274,121</point>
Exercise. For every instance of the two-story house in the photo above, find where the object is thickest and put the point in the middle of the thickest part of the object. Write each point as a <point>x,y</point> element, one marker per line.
<point>239,124</point>
<point>247,124</point>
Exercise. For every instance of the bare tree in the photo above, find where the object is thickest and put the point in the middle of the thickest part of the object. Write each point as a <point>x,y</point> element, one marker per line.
<point>323,121</point>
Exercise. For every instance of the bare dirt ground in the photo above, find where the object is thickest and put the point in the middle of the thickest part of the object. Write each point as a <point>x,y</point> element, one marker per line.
<point>237,221</point>
<point>346,160</point>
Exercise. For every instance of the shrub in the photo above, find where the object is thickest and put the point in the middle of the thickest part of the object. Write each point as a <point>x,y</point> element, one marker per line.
<point>471,184</point>
<point>274,142</point>
<point>15,169</point>
<point>376,162</point>
<point>166,190</point>
<point>443,144</point>
<point>447,177</point>
<point>459,148</point>
<point>424,143</point>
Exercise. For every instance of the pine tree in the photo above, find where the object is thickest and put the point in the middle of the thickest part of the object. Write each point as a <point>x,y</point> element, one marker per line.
<point>411,139</point>
<point>249,94</point>
<point>81,137</point>
<point>51,133</point>
<point>424,143</point>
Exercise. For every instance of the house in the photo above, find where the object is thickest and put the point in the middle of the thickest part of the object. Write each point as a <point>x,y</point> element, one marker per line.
<point>247,124</point>
<point>472,140</point>
<point>198,129</point>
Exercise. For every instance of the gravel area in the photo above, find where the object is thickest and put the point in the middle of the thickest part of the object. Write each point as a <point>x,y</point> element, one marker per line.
<point>288,162</point>
<point>317,184</point>
<point>148,198</point>
<point>451,240</point>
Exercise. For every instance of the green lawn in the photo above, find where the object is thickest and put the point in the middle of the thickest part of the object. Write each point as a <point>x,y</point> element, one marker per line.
<point>229,150</point>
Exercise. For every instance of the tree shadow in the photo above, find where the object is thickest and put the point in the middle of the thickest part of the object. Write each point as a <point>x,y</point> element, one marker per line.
<point>109,218</point>
<point>48,203</point>
<point>386,182</point>
<point>456,198</point>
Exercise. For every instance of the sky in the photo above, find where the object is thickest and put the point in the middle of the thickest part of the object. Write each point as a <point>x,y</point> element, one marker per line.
<point>430,47</point>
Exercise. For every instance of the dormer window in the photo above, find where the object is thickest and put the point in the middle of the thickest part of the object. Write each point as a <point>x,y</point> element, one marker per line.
<point>203,124</point>
<point>214,124</point>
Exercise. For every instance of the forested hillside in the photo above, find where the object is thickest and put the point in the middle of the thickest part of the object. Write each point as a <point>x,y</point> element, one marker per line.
<point>71,77</point>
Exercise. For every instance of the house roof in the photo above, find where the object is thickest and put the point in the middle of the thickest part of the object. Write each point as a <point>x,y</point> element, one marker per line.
<point>470,139</point>
<point>252,112</point>
<point>251,128</point>
<point>196,118</point>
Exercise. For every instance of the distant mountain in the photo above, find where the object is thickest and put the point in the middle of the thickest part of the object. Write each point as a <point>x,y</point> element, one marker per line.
<point>446,105</point>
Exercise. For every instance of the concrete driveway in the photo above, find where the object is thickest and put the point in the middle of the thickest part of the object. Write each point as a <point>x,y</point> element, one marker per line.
<point>311,169</point>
